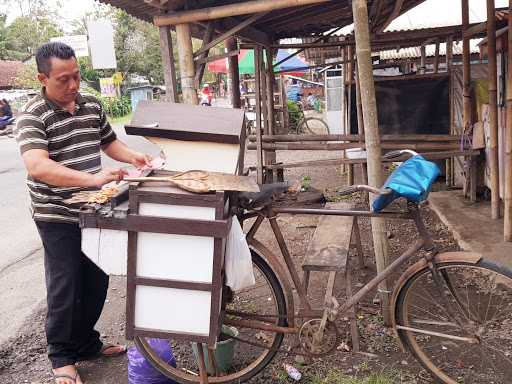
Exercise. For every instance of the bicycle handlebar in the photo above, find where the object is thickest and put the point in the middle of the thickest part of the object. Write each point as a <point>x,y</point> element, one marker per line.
<point>398,153</point>
<point>364,188</point>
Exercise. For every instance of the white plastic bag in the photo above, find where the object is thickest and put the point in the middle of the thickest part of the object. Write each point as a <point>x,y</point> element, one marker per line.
<point>238,263</point>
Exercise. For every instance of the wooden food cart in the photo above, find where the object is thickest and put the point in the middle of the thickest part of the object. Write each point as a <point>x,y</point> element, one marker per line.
<point>170,243</point>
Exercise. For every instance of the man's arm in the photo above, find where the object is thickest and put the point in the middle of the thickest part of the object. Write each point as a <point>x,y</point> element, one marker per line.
<point>119,151</point>
<point>40,167</point>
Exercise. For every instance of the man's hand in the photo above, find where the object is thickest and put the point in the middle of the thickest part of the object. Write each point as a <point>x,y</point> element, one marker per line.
<point>107,175</point>
<point>141,160</point>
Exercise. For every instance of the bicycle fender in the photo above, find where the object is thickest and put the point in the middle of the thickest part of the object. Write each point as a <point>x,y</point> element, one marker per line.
<point>281,273</point>
<point>444,257</point>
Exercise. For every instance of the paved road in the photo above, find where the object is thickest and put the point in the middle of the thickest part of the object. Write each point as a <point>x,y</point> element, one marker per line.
<point>21,269</point>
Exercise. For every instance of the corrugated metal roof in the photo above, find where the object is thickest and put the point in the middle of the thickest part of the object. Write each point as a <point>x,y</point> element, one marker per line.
<point>415,52</point>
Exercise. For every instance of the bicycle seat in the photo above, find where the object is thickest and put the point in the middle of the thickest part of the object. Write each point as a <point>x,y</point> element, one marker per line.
<point>252,200</point>
<point>412,180</point>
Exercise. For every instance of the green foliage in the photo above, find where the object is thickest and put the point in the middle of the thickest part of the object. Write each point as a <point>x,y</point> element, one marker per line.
<point>26,33</point>
<point>295,115</point>
<point>337,377</point>
<point>116,106</point>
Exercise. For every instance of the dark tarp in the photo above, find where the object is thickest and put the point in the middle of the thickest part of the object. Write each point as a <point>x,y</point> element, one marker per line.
<point>417,105</point>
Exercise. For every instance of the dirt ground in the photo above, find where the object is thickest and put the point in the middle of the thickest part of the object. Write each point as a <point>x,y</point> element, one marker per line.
<point>23,358</point>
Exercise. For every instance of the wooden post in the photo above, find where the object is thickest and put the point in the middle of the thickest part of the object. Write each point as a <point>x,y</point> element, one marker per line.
<point>186,59</point>
<point>207,37</point>
<point>171,93</point>
<point>507,230</point>
<point>466,70</point>
<point>449,56</point>
<point>233,75</point>
<point>360,128</point>
<point>423,60</point>
<point>493,109</point>
<point>271,155</point>
<point>436,58</point>
<point>257,86</point>
<point>372,139</point>
<point>350,73</point>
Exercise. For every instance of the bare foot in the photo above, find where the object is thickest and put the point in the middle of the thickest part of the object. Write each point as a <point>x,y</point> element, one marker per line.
<point>113,350</point>
<point>67,375</point>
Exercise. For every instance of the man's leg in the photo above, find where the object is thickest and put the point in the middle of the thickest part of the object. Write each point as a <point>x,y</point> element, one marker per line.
<point>63,286</point>
<point>95,286</point>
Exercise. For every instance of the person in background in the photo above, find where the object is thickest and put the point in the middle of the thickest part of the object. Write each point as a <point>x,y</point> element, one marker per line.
<point>294,91</point>
<point>5,114</point>
<point>61,134</point>
<point>206,95</point>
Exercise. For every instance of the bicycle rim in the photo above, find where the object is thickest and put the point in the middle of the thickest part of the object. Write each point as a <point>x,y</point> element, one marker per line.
<point>264,299</point>
<point>477,349</point>
<point>313,126</point>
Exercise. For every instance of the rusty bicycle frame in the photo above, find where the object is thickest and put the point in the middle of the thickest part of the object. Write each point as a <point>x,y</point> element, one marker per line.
<point>270,213</point>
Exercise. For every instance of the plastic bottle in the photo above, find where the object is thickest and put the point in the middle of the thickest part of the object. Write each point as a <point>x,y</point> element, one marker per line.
<point>292,372</point>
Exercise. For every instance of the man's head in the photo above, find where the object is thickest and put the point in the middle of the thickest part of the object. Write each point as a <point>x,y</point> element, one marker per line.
<point>58,72</point>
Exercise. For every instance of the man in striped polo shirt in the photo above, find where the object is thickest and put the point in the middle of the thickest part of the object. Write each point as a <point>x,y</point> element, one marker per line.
<point>60,134</point>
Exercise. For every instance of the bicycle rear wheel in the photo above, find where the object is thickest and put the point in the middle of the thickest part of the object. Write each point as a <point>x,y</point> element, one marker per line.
<point>475,345</point>
<point>253,348</point>
<point>313,126</point>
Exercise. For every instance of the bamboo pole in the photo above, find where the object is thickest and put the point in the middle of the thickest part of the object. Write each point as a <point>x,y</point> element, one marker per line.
<point>493,109</point>
<point>271,155</point>
<point>449,57</point>
<point>186,60</point>
<point>360,128</point>
<point>171,94</point>
<point>201,65</point>
<point>399,138</point>
<point>350,73</point>
<point>229,10</point>
<point>436,58</point>
<point>259,150</point>
<point>423,60</point>
<point>466,70</point>
<point>233,76</point>
<point>507,228</point>
<point>373,148</point>
<point>315,146</point>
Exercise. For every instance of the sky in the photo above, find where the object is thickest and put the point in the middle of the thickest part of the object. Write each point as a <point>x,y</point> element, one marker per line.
<point>428,12</point>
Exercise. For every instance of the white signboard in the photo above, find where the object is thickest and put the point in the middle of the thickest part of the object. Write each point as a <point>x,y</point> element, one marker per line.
<point>77,42</point>
<point>101,43</point>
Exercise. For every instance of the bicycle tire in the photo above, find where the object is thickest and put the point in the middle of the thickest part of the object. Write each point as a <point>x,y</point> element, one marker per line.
<point>454,361</point>
<point>305,129</point>
<point>264,359</point>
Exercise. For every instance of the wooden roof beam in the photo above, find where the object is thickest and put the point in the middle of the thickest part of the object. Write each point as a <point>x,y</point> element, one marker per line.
<point>229,10</point>
<point>394,14</point>
<point>248,33</point>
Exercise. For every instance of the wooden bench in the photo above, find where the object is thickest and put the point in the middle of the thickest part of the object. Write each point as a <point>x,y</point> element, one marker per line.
<point>328,251</point>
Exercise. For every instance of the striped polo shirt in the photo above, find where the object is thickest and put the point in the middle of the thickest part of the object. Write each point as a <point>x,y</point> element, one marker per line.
<point>73,140</point>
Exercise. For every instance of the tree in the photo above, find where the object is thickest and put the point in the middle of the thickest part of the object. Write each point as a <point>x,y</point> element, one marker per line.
<point>26,33</point>
<point>3,37</point>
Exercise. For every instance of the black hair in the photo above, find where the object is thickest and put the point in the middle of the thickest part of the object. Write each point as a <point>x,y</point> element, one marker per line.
<point>53,49</point>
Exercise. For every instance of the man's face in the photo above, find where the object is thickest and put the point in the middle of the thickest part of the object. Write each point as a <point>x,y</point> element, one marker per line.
<point>63,81</point>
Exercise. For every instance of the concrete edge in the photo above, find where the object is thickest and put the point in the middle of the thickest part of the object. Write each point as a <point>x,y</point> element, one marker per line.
<point>464,245</point>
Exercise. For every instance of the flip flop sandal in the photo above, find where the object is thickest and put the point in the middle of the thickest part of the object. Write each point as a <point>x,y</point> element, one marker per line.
<point>102,353</point>
<point>65,376</point>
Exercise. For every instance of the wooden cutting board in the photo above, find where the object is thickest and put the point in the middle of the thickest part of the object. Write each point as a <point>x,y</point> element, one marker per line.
<point>202,181</point>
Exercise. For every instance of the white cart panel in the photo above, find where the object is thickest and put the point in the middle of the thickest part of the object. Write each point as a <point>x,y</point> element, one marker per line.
<point>173,310</point>
<point>175,257</point>
<point>177,211</point>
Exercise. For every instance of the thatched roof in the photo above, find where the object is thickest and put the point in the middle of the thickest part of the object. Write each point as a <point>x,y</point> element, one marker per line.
<point>283,23</point>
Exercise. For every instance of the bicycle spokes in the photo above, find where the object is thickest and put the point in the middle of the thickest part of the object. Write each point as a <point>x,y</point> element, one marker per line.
<point>465,335</point>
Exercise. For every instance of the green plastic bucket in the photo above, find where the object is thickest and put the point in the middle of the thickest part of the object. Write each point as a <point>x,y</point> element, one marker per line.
<point>224,352</point>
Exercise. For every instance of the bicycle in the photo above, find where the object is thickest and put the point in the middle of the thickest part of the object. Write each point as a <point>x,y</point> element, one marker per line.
<point>301,125</point>
<point>451,310</point>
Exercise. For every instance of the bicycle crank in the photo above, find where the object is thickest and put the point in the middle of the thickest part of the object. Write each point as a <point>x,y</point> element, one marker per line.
<point>316,341</point>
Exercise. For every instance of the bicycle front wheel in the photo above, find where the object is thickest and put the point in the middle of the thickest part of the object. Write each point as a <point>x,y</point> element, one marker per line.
<point>251,350</point>
<point>313,126</point>
<point>466,338</point>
